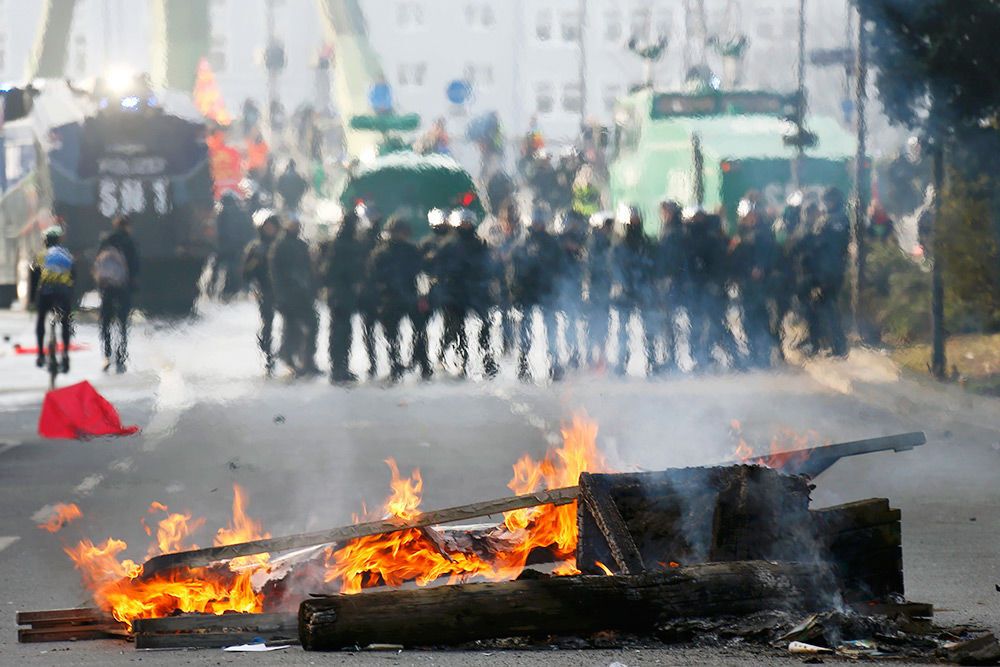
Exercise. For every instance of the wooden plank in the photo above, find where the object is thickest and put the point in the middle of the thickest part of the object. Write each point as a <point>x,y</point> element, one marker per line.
<point>60,616</point>
<point>574,606</point>
<point>815,460</point>
<point>220,622</point>
<point>895,609</point>
<point>202,557</point>
<point>597,498</point>
<point>71,633</point>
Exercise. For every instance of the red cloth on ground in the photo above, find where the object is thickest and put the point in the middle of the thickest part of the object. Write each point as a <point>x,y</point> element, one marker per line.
<point>78,412</point>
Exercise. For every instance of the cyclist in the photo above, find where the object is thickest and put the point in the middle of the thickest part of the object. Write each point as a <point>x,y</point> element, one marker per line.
<point>52,278</point>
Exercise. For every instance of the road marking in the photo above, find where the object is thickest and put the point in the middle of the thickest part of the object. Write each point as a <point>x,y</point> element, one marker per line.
<point>7,445</point>
<point>6,541</point>
<point>88,484</point>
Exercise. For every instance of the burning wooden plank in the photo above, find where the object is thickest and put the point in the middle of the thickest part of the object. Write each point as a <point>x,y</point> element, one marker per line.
<point>577,605</point>
<point>816,460</point>
<point>214,631</point>
<point>202,557</point>
<point>68,625</point>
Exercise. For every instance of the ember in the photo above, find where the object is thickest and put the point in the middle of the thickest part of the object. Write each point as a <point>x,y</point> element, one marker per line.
<point>787,448</point>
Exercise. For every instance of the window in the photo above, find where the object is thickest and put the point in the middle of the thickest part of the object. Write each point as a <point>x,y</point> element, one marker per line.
<point>639,23</point>
<point>572,99</point>
<point>480,15</point>
<point>613,26</point>
<point>570,26</point>
<point>409,15</point>
<point>411,74</point>
<point>544,99</point>
<point>479,75</point>
<point>543,25</point>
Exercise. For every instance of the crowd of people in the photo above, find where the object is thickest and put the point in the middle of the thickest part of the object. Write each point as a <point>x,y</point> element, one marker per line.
<point>568,267</point>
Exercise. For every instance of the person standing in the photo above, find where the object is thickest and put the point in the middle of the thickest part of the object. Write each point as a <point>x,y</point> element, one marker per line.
<point>752,258</point>
<point>342,272</point>
<point>827,266</point>
<point>466,271</point>
<point>670,272</point>
<point>393,271</point>
<point>602,228</point>
<point>234,230</point>
<point>52,276</point>
<point>116,268</point>
<point>257,275</point>
<point>535,266</point>
<point>430,249</point>
<point>573,240</point>
<point>632,261</point>
<point>292,187</point>
<point>295,299</point>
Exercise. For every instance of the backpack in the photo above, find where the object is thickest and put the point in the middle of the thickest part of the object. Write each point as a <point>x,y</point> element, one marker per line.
<point>110,268</point>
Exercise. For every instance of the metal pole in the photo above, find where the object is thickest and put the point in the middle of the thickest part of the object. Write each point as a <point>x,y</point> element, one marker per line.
<point>938,361</point>
<point>860,179</point>
<point>800,149</point>
<point>272,73</point>
<point>583,63</point>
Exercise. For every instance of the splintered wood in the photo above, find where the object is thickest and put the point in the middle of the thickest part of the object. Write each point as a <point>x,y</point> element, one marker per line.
<point>60,625</point>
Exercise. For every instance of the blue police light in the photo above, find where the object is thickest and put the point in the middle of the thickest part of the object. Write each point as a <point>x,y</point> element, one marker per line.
<point>151,101</point>
<point>131,103</point>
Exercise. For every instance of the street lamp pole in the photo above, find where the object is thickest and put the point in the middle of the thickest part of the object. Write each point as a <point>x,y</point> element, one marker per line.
<point>860,176</point>
<point>801,92</point>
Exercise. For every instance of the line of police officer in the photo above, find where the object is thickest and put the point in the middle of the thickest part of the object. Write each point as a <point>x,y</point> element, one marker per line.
<point>585,271</point>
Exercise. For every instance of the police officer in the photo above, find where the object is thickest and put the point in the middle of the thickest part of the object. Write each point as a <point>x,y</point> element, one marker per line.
<point>827,266</point>
<point>257,275</point>
<point>430,248</point>
<point>295,298</point>
<point>393,271</point>
<point>511,230</point>
<point>535,265</point>
<point>341,271</point>
<point>633,264</point>
<point>368,303</point>
<point>573,240</point>
<point>599,280</point>
<point>116,269</point>
<point>706,251</point>
<point>670,275</point>
<point>466,274</point>
<point>234,229</point>
<point>752,260</point>
<point>52,275</point>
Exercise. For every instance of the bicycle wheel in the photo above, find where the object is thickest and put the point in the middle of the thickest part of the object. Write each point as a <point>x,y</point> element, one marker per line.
<point>53,358</point>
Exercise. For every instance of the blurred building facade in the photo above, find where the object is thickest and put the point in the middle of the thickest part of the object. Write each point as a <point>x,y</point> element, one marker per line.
<point>522,57</point>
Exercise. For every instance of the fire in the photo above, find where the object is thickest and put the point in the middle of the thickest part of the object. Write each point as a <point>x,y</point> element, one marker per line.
<point>786,447</point>
<point>604,568</point>
<point>117,588</point>
<point>62,514</point>
<point>411,555</point>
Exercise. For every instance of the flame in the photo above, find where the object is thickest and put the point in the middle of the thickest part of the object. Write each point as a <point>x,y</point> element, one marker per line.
<point>410,555</point>
<point>604,568</point>
<point>116,587</point>
<point>786,447</point>
<point>62,514</point>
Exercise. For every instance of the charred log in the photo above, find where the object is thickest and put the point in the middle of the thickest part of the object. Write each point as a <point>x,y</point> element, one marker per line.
<point>581,605</point>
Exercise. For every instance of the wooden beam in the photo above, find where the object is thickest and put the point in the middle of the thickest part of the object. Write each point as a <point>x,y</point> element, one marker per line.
<point>597,498</point>
<point>574,606</point>
<point>214,631</point>
<point>202,557</point>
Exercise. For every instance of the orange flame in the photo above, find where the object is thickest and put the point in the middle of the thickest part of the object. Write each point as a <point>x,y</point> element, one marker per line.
<point>786,447</point>
<point>604,568</point>
<point>116,587</point>
<point>62,514</point>
<point>410,555</point>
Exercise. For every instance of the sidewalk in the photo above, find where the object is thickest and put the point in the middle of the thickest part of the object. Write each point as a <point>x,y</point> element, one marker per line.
<point>872,377</point>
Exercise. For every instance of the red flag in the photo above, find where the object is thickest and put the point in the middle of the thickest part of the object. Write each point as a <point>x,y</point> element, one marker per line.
<point>78,412</point>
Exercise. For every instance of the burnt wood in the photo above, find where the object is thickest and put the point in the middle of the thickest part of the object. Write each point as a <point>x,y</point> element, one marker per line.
<point>596,500</point>
<point>577,605</point>
<point>214,631</point>
<point>203,557</point>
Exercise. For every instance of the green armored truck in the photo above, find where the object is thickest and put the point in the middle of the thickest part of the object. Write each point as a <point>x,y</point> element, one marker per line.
<point>709,148</point>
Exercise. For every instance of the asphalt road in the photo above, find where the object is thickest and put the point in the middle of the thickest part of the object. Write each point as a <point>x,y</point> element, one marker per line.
<point>309,455</point>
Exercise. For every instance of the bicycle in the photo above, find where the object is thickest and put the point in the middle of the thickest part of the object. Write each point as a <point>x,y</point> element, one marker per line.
<point>53,348</point>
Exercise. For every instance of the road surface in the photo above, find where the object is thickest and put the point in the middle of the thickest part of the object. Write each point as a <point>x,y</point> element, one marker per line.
<point>309,455</point>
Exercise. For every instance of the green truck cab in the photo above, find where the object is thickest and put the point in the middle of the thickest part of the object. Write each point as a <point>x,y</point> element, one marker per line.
<point>709,148</point>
